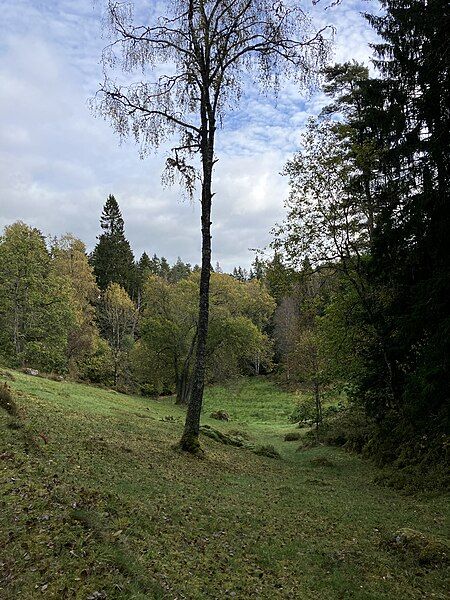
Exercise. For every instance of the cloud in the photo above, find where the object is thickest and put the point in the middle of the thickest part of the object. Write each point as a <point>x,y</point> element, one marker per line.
<point>58,163</point>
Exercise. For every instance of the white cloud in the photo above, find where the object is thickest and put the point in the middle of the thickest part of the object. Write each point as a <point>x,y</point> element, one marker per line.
<point>58,163</point>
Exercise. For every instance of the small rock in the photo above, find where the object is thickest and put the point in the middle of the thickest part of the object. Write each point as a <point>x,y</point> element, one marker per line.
<point>220,415</point>
<point>33,372</point>
<point>96,595</point>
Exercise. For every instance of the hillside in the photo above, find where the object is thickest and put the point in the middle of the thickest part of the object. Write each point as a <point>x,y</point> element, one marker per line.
<point>96,504</point>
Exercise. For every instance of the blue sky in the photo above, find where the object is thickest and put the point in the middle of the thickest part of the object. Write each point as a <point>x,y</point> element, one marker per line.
<point>58,163</point>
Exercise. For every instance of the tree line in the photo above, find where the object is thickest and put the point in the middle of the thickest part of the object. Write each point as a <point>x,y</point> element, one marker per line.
<point>108,319</point>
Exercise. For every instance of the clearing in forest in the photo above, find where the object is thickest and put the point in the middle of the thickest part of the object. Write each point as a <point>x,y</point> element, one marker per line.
<point>96,504</point>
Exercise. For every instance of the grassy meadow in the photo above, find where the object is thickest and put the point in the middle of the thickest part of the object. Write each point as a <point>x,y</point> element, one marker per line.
<point>95,503</point>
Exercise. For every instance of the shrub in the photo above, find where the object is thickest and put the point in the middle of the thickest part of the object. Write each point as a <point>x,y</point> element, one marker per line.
<point>304,411</point>
<point>349,427</point>
<point>292,437</point>
<point>150,390</point>
<point>268,451</point>
<point>97,366</point>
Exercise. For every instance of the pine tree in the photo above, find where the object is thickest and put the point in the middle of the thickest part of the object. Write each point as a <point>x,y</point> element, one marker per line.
<point>112,258</point>
<point>145,264</point>
<point>279,278</point>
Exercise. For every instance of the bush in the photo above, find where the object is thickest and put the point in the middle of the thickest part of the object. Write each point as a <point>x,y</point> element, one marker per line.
<point>410,462</point>
<point>149,390</point>
<point>304,411</point>
<point>349,427</point>
<point>292,437</point>
<point>97,366</point>
<point>407,461</point>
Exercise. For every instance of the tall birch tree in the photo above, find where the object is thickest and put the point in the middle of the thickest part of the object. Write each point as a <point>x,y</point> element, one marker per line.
<point>197,58</point>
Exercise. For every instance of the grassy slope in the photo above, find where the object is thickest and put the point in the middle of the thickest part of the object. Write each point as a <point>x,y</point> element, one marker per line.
<point>107,506</point>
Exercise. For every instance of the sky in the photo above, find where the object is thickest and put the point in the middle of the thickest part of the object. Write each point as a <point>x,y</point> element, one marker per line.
<point>59,162</point>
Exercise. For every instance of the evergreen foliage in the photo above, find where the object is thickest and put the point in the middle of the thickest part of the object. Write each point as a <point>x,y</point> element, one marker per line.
<point>112,258</point>
<point>410,264</point>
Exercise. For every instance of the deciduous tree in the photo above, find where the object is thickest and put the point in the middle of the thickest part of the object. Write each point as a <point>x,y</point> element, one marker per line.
<point>117,317</point>
<point>35,310</point>
<point>236,342</point>
<point>69,259</point>
<point>202,54</point>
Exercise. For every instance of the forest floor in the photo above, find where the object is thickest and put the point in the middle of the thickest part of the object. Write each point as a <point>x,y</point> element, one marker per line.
<point>95,503</point>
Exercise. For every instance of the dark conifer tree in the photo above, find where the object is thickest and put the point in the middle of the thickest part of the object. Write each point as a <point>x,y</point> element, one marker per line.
<point>143,270</point>
<point>145,264</point>
<point>257,270</point>
<point>112,258</point>
<point>410,264</point>
<point>279,278</point>
<point>180,270</point>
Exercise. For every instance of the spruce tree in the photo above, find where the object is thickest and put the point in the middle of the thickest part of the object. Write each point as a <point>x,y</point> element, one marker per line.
<point>410,264</point>
<point>179,271</point>
<point>112,258</point>
<point>257,270</point>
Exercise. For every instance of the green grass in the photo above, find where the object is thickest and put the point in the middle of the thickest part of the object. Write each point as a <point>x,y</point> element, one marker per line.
<point>107,506</point>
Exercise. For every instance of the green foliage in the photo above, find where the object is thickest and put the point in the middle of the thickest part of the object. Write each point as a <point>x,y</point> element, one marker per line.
<point>278,277</point>
<point>118,316</point>
<point>369,200</point>
<point>236,343</point>
<point>349,428</point>
<point>409,267</point>
<point>97,366</point>
<point>69,259</point>
<point>305,411</point>
<point>179,271</point>
<point>35,310</point>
